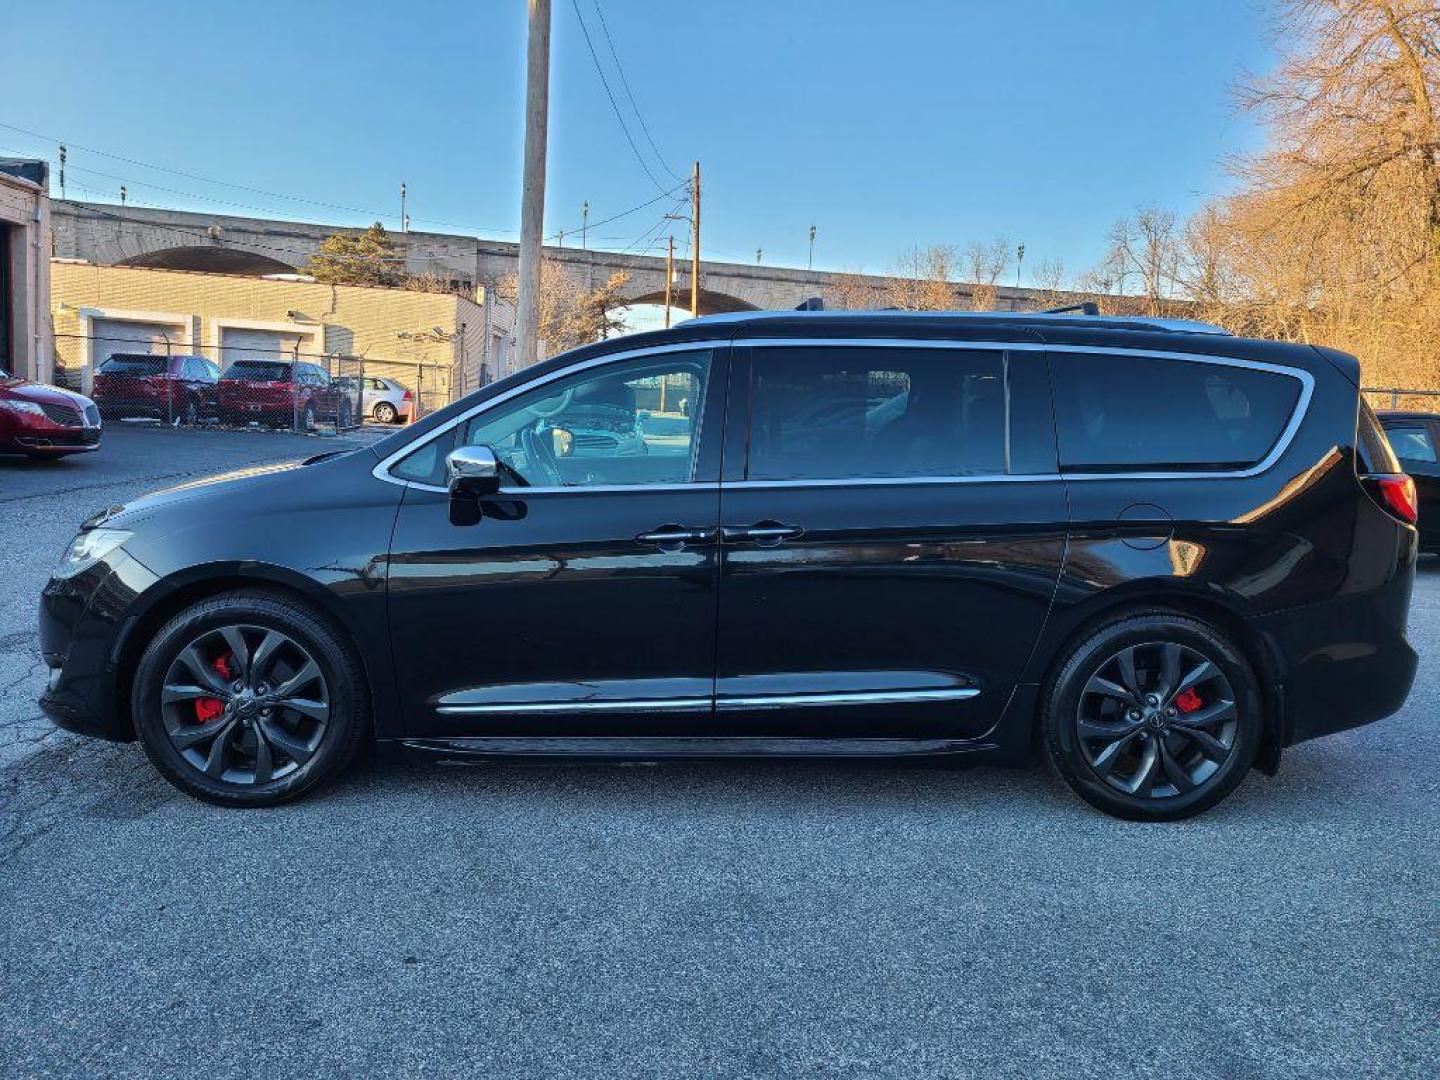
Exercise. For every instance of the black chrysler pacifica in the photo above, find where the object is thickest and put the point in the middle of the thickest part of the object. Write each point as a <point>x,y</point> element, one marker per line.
<point>1156,553</point>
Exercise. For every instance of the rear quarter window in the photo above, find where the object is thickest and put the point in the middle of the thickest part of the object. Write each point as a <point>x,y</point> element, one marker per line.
<point>1376,455</point>
<point>1125,413</point>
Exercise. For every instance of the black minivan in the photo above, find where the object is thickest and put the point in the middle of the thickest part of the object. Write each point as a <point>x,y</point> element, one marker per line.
<point>1156,552</point>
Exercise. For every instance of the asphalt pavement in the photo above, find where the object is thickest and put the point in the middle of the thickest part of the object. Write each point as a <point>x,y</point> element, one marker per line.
<point>693,920</point>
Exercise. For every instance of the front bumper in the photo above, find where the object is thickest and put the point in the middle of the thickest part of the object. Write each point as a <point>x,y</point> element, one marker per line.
<point>83,621</point>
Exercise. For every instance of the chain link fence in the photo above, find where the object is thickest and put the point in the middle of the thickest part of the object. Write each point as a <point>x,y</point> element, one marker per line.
<point>150,379</point>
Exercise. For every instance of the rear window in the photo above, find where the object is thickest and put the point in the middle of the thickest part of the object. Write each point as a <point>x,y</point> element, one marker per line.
<point>134,365</point>
<point>258,371</point>
<point>1122,413</point>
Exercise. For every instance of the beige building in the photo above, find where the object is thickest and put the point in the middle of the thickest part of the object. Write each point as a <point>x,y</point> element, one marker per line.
<point>25,268</point>
<point>442,344</point>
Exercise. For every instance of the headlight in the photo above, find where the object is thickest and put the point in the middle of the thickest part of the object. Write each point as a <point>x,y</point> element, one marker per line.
<point>16,405</point>
<point>88,548</point>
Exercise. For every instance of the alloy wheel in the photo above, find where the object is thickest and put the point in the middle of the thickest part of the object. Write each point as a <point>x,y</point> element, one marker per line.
<point>1157,720</point>
<point>245,704</point>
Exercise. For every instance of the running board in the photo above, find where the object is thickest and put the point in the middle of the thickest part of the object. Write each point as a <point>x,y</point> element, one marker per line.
<point>664,748</point>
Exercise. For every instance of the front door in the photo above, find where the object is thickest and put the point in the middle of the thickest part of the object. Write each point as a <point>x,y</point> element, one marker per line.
<point>892,533</point>
<point>583,601</point>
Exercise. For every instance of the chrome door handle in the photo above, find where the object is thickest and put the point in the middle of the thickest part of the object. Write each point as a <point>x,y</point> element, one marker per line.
<point>762,533</point>
<point>675,537</point>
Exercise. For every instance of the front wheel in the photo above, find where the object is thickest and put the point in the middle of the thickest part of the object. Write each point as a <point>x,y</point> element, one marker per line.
<point>1153,717</point>
<point>249,699</point>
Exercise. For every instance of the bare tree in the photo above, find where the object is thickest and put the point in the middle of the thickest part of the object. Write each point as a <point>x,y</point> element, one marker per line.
<point>922,279</point>
<point>984,264</point>
<point>853,291</point>
<point>570,314</point>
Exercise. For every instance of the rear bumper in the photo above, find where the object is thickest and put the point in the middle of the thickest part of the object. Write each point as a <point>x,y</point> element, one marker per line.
<point>1341,664</point>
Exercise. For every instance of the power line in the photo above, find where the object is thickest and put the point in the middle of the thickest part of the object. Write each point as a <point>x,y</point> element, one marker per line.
<point>623,213</point>
<point>616,108</point>
<point>374,215</point>
<point>624,82</point>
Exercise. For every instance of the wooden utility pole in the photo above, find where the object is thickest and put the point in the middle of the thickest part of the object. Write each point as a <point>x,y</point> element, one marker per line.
<point>669,277</point>
<point>695,242</point>
<point>532,196</point>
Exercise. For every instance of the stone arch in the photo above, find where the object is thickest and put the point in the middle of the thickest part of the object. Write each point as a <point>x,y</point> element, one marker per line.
<point>711,303</point>
<point>212,260</point>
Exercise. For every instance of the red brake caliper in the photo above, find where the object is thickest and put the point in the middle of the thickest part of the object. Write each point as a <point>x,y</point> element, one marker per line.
<point>208,708</point>
<point>1189,701</point>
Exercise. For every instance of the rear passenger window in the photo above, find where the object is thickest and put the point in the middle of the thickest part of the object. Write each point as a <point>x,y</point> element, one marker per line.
<point>869,412</point>
<point>1122,413</point>
<point>1412,442</point>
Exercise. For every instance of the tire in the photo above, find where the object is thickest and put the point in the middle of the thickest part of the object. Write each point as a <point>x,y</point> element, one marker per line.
<point>307,418</point>
<point>191,416</point>
<point>303,749</point>
<point>344,417</point>
<point>385,413</point>
<point>1100,740</point>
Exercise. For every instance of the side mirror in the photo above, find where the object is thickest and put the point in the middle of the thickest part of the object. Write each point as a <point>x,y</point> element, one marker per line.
<point>472,470</point>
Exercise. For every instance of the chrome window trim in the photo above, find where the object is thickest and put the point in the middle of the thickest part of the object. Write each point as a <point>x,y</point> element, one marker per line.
<point>1287,436</point>
<point>691,704</point>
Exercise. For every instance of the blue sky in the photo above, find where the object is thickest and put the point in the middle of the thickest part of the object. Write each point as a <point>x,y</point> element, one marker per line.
<point>884,125</point>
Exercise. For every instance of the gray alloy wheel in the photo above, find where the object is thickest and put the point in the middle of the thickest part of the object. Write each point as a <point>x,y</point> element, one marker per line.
<point>1152,715</point>
<point>385,413</point>
<point>250,698</point>
<point>1157,720</point>
<point>245,704</point>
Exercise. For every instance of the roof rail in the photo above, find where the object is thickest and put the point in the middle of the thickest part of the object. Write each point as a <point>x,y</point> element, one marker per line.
<point>1053,318</point>
<point>1089,307</point>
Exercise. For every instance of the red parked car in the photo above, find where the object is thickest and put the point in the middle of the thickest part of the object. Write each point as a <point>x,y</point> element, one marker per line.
<point>282,393</point>
<point>168,388</point>
<point>45,421</point>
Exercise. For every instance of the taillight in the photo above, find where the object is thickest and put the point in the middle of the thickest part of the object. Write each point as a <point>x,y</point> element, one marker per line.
<point>407,396</point>
<point>1397,494</point>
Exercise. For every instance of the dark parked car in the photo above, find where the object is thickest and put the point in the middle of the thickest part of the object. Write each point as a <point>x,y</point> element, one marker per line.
<point>175,389</point>
<point>1158,553</point>
<point>283,393</point>
<point>42,421</point>
<point>1415,435</point>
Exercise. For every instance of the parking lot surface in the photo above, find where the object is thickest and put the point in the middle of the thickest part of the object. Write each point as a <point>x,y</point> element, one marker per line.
<point>692,920</point>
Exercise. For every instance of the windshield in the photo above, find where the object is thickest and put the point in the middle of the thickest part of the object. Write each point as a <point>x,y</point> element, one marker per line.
<point>258,371</point>
<point>133,365</point>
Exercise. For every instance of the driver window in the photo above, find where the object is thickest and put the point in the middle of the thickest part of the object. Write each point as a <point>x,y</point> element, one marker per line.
<point>633,422</point>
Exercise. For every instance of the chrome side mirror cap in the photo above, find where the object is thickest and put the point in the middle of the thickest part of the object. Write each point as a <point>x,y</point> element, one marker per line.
<point>472,470</point>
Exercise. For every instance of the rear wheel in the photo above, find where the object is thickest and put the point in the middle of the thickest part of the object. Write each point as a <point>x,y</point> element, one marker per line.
<point>249,699</point>
<point>1153,717</point>
<point>385,413</point>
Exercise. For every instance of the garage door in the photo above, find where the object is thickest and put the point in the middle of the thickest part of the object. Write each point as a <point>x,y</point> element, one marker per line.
<point>122,336</point>
<point>238,344</point>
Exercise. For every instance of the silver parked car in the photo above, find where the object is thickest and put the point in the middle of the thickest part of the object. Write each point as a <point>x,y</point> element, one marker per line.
<point>383,400</point>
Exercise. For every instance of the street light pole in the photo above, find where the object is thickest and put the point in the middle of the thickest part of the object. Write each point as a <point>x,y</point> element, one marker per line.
<point>532,198</point>
<point>810,262</point>
<point>404,217</point>
<point>584,223</point>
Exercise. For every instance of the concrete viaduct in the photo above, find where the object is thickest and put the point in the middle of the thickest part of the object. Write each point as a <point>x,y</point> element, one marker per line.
<point>183,240</point>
